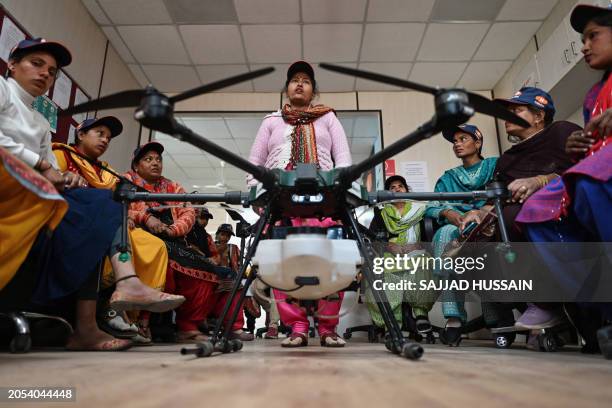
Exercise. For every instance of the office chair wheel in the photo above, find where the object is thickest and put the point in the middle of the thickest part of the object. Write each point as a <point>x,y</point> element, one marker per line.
<point>503,341</point>
<point>430,338</point>
<point>311,332</point>
<point>412,351</point>
<point>223,346</point>
<point>205,349</point>
<point>236,344</point>
<point>21,343</point>
<point>548,342</point>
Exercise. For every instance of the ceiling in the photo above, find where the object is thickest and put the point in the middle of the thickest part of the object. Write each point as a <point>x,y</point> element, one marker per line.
<point>195,169</point>
<point>179,44</point>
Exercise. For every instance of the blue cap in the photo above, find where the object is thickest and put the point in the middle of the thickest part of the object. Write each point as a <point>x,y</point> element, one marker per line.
<point>449,134</point>
<point>583,13</point>
<point>531,96</point>
<point>147,147</point>
<point>59,52</point>
<point>111,122</point>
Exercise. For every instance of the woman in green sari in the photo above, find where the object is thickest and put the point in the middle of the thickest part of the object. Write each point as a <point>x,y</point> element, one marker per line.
<point>397,225</point>
<point>474,173</point>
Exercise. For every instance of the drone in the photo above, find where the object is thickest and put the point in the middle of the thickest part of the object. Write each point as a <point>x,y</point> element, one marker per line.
<point>305,262</point>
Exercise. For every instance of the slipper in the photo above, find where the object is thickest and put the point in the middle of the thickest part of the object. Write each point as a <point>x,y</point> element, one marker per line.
<point>295,340</point>
<point>160,303</point>
<point>332,340</point>
<point>190,337</point>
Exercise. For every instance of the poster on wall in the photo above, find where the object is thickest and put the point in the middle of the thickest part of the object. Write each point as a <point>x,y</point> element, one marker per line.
<point>48,109</point>
<point>416,175</point>
<point>10,35</point>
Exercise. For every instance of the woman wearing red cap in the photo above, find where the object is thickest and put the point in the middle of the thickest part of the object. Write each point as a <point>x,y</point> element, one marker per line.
<point>303,133</point>
<point>93,138</point>
<point>90,229</point>
<point>576,206</point>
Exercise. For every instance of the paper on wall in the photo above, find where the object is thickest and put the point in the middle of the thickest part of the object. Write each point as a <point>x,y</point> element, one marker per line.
<point>61,90</point>
<point>79,98</point>
<point>9,37</point>
<point>416,175</point>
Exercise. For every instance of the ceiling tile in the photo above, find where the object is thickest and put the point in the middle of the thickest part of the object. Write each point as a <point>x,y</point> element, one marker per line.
<point>172,78</point>
<point>336,11</point>
<point>273,82</point>
<point>96,11</point>
<point>285,11</point>
<point>483,75</point>
<point>328,81</point>
<point>399,10</point>
<point>505,41</point>
<point>213,44</point>
<point>212,73</point>
<point>118,44</point>
<point>332,42</point>
<point>466,10</point>
<point>139,74</point>
<point>391,41</point>
<point>272,43</point>
<point>154,44</point>
<point>451,42</point>
<point>395,69</point>
<point>202,11</point>
<point>526,9</point>
<point>192,160</point>
<point>136,11</point>
<point>174,146</point>
<point>210,128</point>
<point>442,74</point>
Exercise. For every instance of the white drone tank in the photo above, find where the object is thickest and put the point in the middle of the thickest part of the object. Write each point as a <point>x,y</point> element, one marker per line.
<point>307,265</point>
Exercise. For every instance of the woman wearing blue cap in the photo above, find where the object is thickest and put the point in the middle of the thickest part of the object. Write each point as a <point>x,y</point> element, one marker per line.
<point>576,207</point>
<point>87,232</point>
<point>538,157</point>
<point>474,173</point>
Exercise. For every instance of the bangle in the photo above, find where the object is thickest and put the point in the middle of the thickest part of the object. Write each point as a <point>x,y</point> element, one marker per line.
<point>542,180</point>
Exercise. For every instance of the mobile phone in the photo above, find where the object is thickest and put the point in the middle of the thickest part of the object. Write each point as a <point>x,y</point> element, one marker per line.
<point>470,227</point>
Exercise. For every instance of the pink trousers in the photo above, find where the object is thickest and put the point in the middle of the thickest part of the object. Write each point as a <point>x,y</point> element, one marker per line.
<point>292,315</point>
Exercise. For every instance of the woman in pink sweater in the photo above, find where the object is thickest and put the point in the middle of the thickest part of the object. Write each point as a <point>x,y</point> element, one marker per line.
<point>303,133</point>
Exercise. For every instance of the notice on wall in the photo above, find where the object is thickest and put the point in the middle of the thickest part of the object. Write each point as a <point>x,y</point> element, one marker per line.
<point>61,90</point>
<point>9,37</point>
<point>71,135</point>
<point>80,98</point>
<point>416,175</point>
<point>48,109</point>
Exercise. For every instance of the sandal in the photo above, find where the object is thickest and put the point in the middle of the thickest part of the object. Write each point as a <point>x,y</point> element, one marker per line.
<point>295,340</point>
<point>191,337</point>
<point>114,324</point>
<point>332,340</point>
<point>143,337</point>
<point>159,303</point>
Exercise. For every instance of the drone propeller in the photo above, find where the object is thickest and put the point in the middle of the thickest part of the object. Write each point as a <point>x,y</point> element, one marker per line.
<point>478,102</point>
<point>132,98</point>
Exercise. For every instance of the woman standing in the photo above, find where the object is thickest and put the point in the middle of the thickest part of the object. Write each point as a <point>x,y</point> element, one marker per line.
<point>303,133</point>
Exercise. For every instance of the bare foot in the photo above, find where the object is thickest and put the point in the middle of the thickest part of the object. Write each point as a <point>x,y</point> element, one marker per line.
<point>132,294</point>
<point>95,340</point>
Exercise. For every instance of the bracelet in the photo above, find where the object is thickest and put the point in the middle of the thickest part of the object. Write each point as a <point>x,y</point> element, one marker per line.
<point>543,181</point>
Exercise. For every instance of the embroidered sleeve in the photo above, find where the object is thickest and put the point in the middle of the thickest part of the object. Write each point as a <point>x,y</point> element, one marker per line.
<point>184,216</point>
<point>138,209</point>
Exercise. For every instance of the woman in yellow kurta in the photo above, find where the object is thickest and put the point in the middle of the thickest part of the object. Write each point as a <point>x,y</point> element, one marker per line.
<point>92,140</point>
<point>28,203</point>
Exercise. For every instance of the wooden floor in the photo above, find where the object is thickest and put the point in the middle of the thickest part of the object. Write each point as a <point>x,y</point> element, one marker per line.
<point>360,375</point>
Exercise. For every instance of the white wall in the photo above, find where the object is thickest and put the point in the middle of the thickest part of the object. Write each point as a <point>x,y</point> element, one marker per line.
<point>68,22</point>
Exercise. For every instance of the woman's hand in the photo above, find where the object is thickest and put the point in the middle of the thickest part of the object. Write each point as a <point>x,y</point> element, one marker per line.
<point>470,217</point>
<point>155,225</point>
<point>601,123</point>
<point>73,180</point>
<point>521,189</point>
<point>578,143</point>
<point>55,177</point>
<point>453,217</point>
<point>131,224</point>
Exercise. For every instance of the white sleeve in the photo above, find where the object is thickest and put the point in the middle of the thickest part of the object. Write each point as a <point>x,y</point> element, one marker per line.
<point>17,149</point>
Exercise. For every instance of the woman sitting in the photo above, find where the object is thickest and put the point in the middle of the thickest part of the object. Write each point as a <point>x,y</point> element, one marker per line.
<point>190,273</point>
<point>474,173</point>
<point>93,138</point>
<point>90,229</point>
<point>528,166</point>
<point>399,223</point>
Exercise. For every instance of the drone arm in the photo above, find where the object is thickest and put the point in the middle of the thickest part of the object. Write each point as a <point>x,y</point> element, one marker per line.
<point>184,133</point>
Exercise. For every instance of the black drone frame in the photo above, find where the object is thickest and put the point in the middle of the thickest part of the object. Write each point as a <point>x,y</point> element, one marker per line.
<point>452,108</point>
